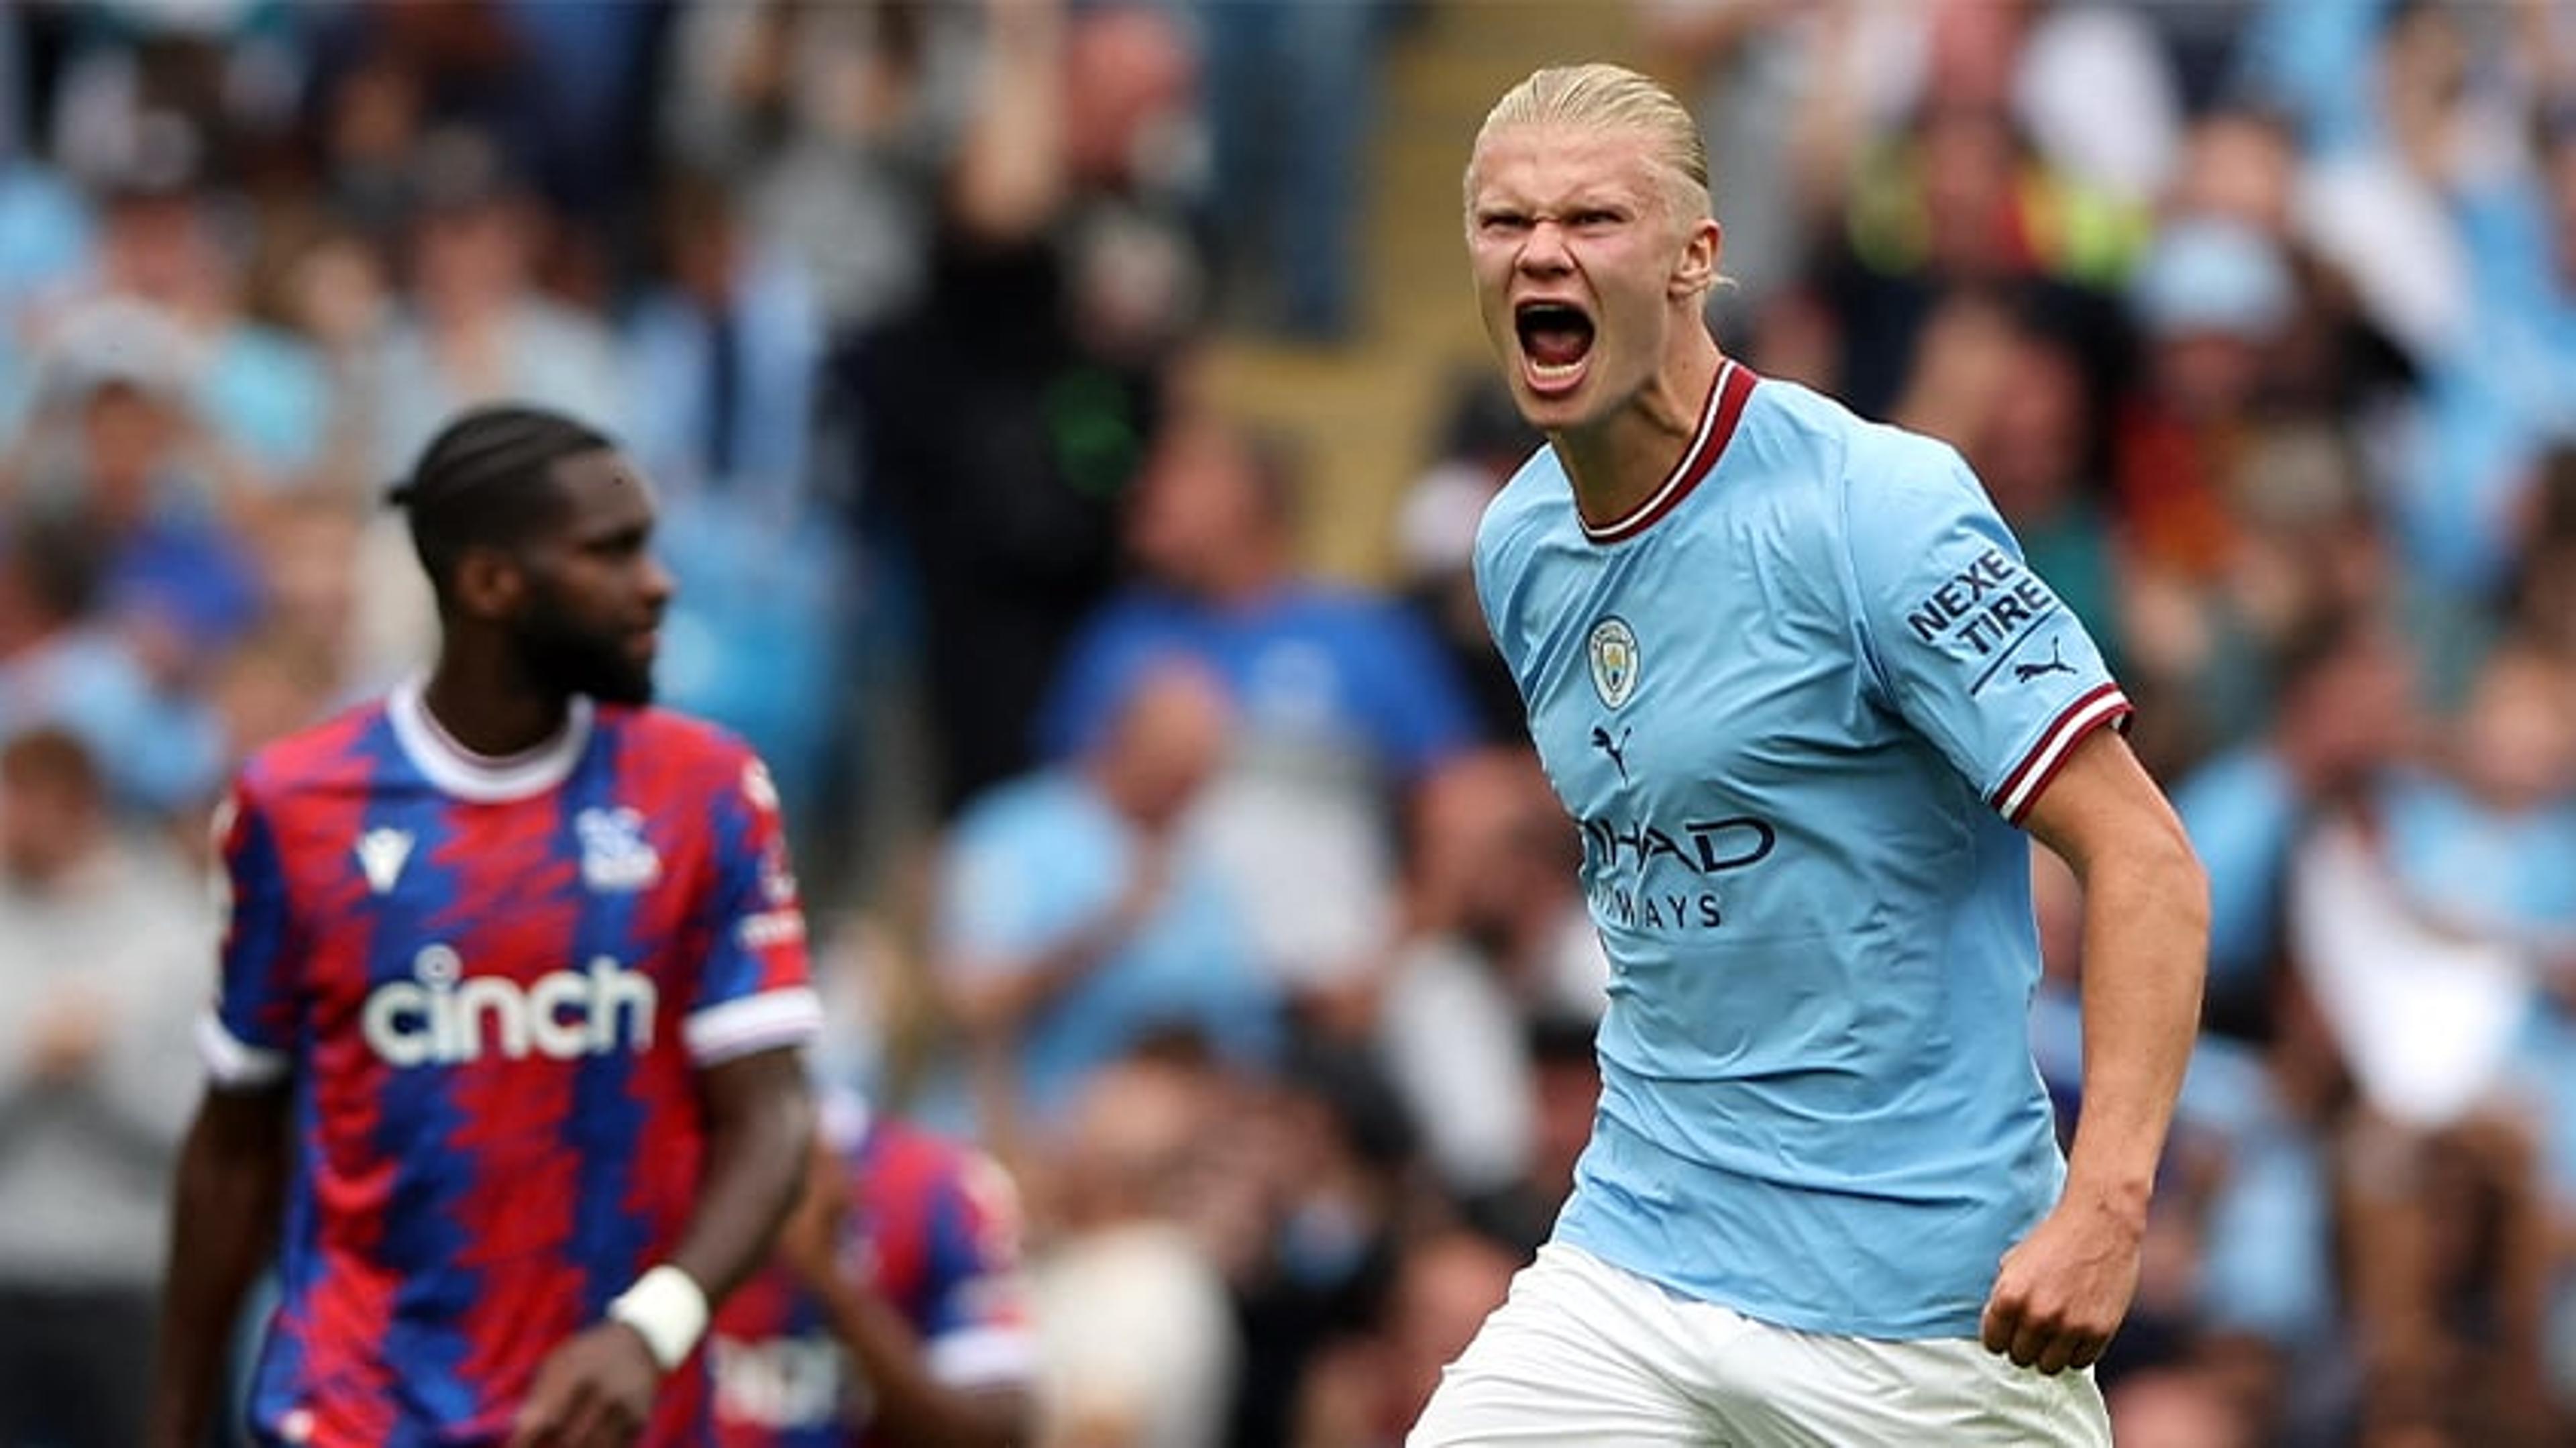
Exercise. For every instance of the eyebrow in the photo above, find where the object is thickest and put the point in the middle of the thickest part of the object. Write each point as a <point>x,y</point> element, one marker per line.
<point>617,530</point>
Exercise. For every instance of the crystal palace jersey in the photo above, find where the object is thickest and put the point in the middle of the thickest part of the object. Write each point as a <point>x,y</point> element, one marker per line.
<point>489,984</point>
<point>1796,702</point>
<point>932,1229</point>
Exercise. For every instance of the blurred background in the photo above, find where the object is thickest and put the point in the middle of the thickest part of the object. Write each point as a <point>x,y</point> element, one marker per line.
<point>1071,426</point>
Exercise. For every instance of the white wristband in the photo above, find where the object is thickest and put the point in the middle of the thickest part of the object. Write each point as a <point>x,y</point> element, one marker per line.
<point>668,1309</point>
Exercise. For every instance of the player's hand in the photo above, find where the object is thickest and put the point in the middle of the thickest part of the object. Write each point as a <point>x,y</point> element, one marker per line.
<point>2063,1289</point>
<point>595,1391</point>
<point>809,1241</point>
<point>1148,880</point>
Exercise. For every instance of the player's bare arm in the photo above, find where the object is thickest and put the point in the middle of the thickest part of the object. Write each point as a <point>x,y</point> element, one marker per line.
<point>597,1389</point>
<point>2062,1291</point>
<point>230,1190</point>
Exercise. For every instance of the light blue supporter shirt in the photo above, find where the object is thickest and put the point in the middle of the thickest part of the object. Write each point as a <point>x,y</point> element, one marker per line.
<point>1797,702</point>
<point>1039,858</point>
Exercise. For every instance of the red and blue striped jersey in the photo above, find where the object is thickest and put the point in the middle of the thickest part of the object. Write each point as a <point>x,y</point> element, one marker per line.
<point>934,1229</point>
<point>490,985</point>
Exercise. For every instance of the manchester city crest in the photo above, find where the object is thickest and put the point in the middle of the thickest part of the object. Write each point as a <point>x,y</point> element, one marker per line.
<point>1613,651</point>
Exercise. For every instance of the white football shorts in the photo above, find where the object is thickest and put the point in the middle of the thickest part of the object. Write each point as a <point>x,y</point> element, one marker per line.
<point>1584,1352</point>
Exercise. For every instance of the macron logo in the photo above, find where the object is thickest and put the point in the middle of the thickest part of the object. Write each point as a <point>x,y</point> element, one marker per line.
<point>381,853</point>
<point>444,1017</point>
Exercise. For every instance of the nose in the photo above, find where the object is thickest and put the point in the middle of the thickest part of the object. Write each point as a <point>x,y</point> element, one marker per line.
<point>1543,253</point>
<point>656,583</point>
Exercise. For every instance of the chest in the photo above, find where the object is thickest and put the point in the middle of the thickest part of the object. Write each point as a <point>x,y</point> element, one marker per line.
<point>1665,677</point>
<point>545,897</point>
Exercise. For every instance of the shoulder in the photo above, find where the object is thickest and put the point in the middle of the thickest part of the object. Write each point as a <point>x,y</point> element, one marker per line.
<point>899,1160</point>
<point>896,1155</point>
<point>1138,609</point>
<point>1797,424</point>
<point>704,756</point>
<point>1885,465</point>
<point>1007,812</point>
<point>656,727</point>
<point>327,757</point>
<point>1537,499</point>
<point>1339,611</point>
<point>1134,622</point>
<point>1870,480</point>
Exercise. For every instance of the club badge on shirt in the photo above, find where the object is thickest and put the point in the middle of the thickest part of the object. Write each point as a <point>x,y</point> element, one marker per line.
<point>615,856</point>
<point>1613,651</point>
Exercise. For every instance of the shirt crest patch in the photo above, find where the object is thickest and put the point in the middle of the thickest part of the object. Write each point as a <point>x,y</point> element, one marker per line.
<point>1612,649</point>
<point>614,853</point>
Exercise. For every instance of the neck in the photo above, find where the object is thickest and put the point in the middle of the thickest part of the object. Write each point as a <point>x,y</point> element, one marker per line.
<point>1245,577</point>
<point>487,703</point>
<point>1619,461</point>
<point>20,632</point>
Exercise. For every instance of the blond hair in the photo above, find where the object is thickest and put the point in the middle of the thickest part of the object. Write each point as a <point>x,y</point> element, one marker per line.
<point>1599,96</point>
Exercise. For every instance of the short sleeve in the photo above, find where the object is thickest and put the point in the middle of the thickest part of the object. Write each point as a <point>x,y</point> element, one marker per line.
<point>1973,649</point>
<point>974,1319</point>
<point>754,989</point>
<point>987,906</point>
<point>1020,869</point>
<point>248,1036</point>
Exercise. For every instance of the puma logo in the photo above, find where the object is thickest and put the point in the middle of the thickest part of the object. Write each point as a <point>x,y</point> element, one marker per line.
<point>1617,751</point>
<point>2024,673</point>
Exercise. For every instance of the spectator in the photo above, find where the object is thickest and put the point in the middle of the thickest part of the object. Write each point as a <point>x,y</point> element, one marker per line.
<point>164,243</point>
<point>1566,1090</point>
<point>1319,1163</point>
<point>1499,939</point>
<point>1485,442</point>
<point>2344,712</point>
<point>472,327</point>
<point>1075,923</point>
<point>100,939</point>
<point>2175,1408</point>
<point>728,344</point>
<point>2496,403</point>
<point>1003,416</point>
<point>1292,105</point>
<point>1370,1389</point>
<point>1774,88</point>
<point>159,752</point>
<point>475,327</point>
<point>122,449</point>
<point>839,123</point>
<point>1344,701</point>
<point>1136,1344</point>
<point>1949,204</point>
<point>2411,911</point>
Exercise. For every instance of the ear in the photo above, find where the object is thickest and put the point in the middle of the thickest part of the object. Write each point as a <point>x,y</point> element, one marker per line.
<point>1696,271</point>
<point>489,582</point>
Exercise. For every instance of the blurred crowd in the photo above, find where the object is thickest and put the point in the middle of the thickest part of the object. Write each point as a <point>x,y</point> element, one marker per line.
<point>1226,903</point>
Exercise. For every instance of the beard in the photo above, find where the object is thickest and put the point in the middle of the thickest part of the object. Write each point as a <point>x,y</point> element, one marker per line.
<point>564,654</point>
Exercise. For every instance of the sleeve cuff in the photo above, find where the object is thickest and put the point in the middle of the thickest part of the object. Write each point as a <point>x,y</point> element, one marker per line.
<point>2103,704</point>
<point>740,1027</point>
<point>232,1061</point>
<point>982,1357</point>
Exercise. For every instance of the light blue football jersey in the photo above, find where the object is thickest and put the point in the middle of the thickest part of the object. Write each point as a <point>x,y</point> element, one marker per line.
<point>1797,702</point>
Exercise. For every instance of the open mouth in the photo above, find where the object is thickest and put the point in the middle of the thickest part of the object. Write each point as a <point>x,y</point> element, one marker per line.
<point>1555,337</point>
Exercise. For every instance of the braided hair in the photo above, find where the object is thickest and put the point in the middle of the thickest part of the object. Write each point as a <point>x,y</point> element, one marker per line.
<point>487,480</point>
